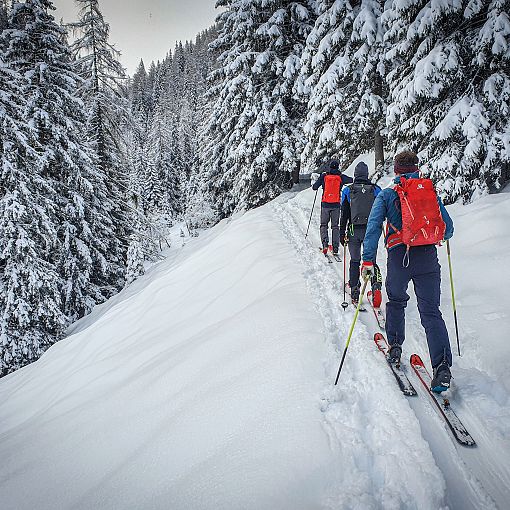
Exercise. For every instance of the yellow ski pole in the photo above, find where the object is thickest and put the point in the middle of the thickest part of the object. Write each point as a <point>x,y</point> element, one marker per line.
<point>352,327</point>
<point>453,293</point>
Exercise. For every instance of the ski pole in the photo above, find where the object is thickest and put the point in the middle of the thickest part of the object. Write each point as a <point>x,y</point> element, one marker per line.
<point>453,293</point>
<point>311,213</point>
<point>345,304</point>
<point>352,327</point>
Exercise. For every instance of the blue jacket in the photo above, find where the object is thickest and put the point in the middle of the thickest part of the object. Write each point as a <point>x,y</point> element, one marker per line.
<point>387,207</point>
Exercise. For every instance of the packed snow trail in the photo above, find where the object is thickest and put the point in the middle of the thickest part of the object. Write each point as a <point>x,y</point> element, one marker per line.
<point>475,479</point>
<point>364,413</point>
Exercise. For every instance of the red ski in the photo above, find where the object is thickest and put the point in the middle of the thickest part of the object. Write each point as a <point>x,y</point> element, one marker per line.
<point>379,316</point>
<point>403,382</point>
<point>442,404</point>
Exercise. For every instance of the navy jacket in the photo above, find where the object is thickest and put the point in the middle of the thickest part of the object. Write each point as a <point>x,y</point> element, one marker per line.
<point>320,182</point>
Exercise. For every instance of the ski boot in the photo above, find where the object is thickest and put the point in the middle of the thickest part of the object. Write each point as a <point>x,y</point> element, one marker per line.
<point>394,354</point>
<point>441,379</point>
<point>376,287</point>
<point>355,291</point>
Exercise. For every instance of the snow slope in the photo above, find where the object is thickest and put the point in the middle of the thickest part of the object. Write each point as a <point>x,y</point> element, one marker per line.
<point>208,384</point>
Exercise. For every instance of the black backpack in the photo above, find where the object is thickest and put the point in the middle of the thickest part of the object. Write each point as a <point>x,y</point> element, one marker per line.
<point>362,199</point>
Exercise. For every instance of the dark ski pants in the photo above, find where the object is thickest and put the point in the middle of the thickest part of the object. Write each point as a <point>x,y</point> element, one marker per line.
<point>330,214</point>
<point>355,243</point>
<point>425,272</point>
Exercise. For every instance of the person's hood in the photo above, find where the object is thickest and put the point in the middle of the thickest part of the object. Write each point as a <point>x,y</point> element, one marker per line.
<point>412,175</point>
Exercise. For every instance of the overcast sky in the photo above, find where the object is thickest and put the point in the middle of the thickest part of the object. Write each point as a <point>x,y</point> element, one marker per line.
<point>147,28</point>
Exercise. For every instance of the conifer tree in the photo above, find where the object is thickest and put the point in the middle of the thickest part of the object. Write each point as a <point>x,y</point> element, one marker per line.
<point>161,191</point>
<point>32,197</point>
<point>3,14</point>
<point>198,202</point>
<point>135,256</point>
<point>254,125</point>
<point>60,118</point>
<point>343,77</point>
<point>492,63</point>
<point>449,90</point>
<point>107,115</point>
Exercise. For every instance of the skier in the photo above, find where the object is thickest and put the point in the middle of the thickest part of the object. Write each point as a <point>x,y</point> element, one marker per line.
<point>418,263</point>
<point>357,201</point>
<point>331,181</point>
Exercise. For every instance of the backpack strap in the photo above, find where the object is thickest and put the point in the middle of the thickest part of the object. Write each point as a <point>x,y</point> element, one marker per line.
<point>394,238</point>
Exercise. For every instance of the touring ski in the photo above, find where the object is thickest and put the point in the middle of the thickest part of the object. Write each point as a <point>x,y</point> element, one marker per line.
<point>329,258</point>
<point>354,302</point>
<point>403,382</point>
<point>379,316</point>
<point>442,404</point>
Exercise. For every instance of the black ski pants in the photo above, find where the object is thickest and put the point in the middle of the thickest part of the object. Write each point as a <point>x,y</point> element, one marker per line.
<point>330,214</point>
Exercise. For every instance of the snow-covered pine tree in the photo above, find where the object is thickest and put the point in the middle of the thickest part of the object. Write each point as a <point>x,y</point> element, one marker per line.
<point>141,97</point>
<point>135,256</point>
<point>492,60</point>
<point>150,155</point>
<point>275,140</point>
<point>107,115</point>
<point>199,211</point>
<point>343,77</point>
<point>142,111</point>
<point>254,135</point>
<point>31,317</point>
<point>449,89</point>
<point>33,141</point>
<point>39,50</point>
<point>176,100</point>
<point>181,85</point>
<point>161,189</point>
<point>3,14</point>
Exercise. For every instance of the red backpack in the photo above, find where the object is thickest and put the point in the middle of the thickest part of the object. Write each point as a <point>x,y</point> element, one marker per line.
<point>332,187</point>
<point>422,222</point>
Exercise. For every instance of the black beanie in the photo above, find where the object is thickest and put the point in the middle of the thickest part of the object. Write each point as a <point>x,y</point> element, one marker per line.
<point>333,164</point>
<point>361,171</point>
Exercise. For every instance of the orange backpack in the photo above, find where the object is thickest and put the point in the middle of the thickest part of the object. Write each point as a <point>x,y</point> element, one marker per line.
<point>332,187</point>
<point>422,222</point>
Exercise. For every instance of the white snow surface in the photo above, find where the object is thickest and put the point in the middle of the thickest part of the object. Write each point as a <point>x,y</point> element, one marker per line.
<point>208,384</point>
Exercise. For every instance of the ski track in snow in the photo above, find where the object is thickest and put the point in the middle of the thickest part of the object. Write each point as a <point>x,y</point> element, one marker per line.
<point>475,397</point>
<point>405,447</point>
<point>364,423</point>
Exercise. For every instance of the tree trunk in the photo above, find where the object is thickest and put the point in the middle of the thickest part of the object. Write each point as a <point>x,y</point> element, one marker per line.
<point>295,172</point>
<point>379,150</point>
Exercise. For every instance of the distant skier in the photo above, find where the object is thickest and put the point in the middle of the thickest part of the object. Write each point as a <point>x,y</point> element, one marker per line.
<point>331,181</point>
<point>416,217</point>
<point>357,201</point>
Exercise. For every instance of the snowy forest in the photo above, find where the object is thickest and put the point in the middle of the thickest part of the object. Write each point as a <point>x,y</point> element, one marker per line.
<point>96,166</point>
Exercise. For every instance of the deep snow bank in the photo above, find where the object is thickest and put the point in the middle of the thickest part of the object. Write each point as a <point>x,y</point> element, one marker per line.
<point>195,388</point>
<point>480,254</point>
